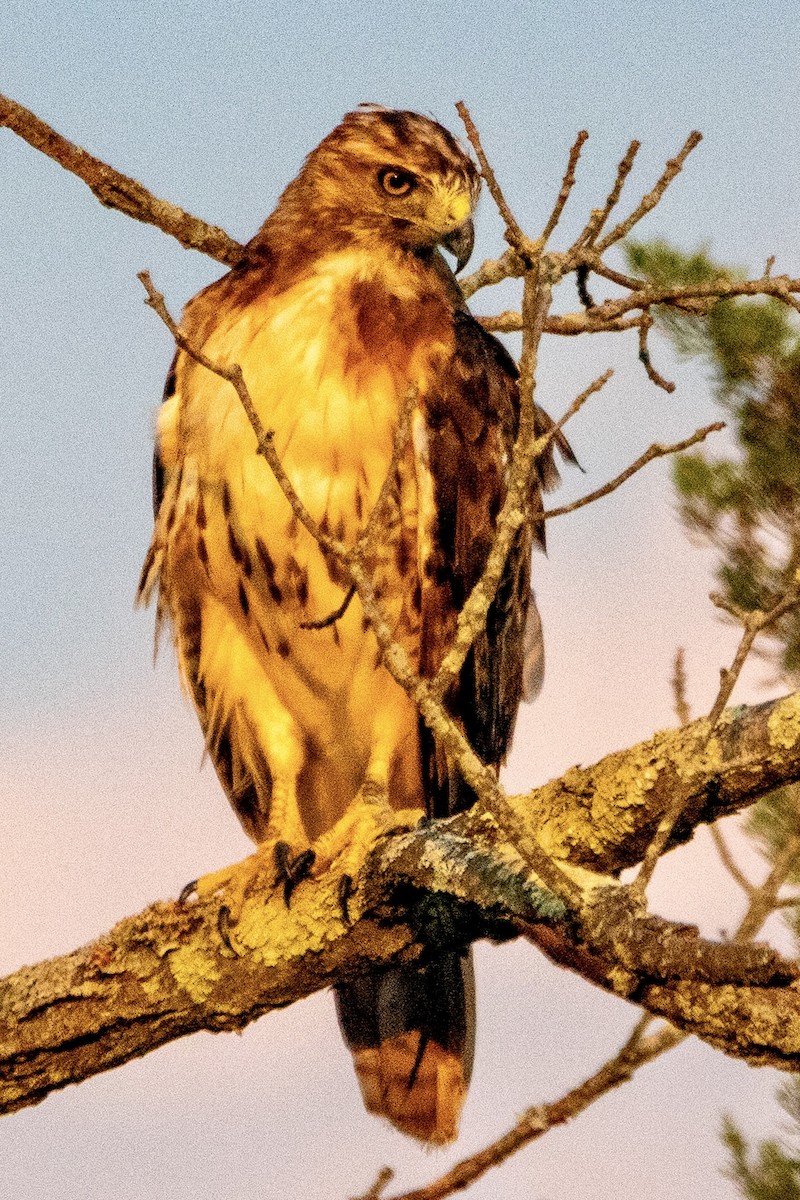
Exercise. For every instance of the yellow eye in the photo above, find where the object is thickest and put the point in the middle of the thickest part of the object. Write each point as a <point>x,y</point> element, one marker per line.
<point>396,181</point>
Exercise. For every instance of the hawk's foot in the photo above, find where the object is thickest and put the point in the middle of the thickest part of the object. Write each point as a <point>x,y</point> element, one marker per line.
<point>368,818</point>
<point>237,880</point>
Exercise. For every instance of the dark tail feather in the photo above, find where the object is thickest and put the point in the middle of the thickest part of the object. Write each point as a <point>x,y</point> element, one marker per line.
<point>411,1031</point>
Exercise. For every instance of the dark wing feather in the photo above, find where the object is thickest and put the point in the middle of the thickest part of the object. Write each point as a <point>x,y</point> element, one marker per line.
<point>472,421</point>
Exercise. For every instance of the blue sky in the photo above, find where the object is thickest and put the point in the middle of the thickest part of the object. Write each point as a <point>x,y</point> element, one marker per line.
<point>106,809</point>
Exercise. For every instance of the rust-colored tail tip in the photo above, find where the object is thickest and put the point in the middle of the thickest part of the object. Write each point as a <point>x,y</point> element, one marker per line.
<point>421,1099</point>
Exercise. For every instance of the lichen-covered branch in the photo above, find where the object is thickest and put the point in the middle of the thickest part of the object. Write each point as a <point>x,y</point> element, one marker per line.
<point>167,972</point>
<point>603,817</point>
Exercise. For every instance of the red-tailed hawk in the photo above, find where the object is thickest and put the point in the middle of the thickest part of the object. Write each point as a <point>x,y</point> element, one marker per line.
<point>342,305</point>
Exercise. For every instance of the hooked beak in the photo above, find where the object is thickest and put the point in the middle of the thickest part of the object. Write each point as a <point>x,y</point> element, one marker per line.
<point>460,243</point>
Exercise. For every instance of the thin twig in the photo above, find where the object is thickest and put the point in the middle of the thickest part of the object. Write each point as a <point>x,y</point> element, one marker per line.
<point>651,199</point>
<point>402,433</point>
<point>596,264</point>
<point>115,190</point>
<point>567,184</point>
<point>682,710</point>
<point>384,1178</point>
<point>332,617</point>
<point>754,623</point>
<point>764,899</point>
<point>657,450</point>
<point>577,404</point>
<point>696,298</point>
<point>264,437</point>
<point>729,862</point>
<point>563,324</point>
<point>472,617</point>
<point>645,325</point>
<point>513,233</point>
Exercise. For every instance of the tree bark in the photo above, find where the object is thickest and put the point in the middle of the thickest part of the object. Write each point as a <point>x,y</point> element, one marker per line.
<point>168,971</point>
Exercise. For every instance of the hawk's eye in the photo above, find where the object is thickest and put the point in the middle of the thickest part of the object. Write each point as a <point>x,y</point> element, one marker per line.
<point>396,181</point>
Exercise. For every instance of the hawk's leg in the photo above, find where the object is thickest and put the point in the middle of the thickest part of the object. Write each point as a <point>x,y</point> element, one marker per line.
<point>368,817</point>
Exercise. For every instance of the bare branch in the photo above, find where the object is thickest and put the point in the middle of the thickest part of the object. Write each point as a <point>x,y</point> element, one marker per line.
<point>599,216</point>
<point>366,540</point>
<point>472,618</point>
<point>115,190</point>
<point>645,326</point>
<point>264,437</point>
<point>567,184</point>
<point>652,198</point>
<point>764,899</point>
<point>167,972</point>
<point>514,235</point>
<point>603,817</point>
<point>682,710</point>
<point>657,450</point>
<point>607,317</point>
<point>492,271</point>
<point>754,622</point>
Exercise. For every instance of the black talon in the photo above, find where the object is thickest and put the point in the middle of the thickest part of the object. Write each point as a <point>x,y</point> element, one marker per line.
<point>224,928</point>
<point>283,857</point>
<point>345,891</point>
<point>189,890</point>
<point>292,871</point>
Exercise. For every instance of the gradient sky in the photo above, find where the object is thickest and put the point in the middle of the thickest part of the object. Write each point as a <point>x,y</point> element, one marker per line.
<point>104,806</point>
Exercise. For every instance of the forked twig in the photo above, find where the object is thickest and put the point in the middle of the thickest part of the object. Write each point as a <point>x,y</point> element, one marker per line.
<point>514,235</point>
<point>599,216</point>
<point>754,622</point>
<point>650,200</point>
<point>657,450</point>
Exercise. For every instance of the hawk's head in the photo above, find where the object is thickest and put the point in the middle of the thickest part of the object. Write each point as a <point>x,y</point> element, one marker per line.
<point>389,175</point>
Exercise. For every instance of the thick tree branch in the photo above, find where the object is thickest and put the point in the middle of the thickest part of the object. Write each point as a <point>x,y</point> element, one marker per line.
<point>167,973</point>
<point>603,817</point>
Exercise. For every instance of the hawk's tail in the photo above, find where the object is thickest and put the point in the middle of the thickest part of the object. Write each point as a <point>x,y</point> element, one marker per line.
<point>411,1031</point>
